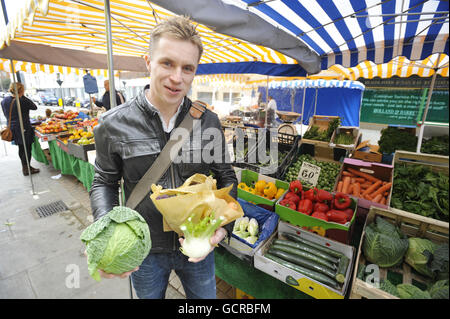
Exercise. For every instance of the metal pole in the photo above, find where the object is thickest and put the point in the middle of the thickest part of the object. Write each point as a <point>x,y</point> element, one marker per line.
<point>19,113</point>
<point>112,88</point>
<point>315,102</point>
<point>303,107</point>
<point>267,101</point>
<point>424,117</point>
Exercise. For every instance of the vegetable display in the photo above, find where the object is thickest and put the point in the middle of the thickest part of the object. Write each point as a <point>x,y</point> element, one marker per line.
<point>315,133</point>
<point>419,190</point>
<point>435,145</point>
<point>247,229</point>
<point>363,185</point>
<point>117,242</point>
<point>197,234</point>
<point>263,188</point>
<point>310,259</point>
<point>393,138</point>
<point>328,173</point>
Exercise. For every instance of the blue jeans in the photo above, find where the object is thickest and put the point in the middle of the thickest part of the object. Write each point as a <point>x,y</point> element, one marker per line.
<point>152,278</point>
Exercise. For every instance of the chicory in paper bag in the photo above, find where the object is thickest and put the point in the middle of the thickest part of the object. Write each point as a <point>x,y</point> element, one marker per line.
<point>197,197</point>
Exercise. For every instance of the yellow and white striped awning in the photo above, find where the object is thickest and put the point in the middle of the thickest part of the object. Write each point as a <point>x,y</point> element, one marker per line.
<point>79,24</point>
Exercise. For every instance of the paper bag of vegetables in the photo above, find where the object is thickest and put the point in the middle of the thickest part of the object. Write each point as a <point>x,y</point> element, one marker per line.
<point>195,209</point>
<point>117,242</point>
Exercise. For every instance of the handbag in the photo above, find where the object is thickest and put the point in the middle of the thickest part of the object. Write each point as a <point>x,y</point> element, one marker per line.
<point>6,132</point>
<point>163,161</point>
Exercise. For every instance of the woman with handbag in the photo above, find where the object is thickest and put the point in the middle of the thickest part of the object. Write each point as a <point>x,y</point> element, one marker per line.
<point>9,107</point>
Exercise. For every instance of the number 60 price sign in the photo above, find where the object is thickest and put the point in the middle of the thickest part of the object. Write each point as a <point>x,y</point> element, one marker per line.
<point>309,173</point>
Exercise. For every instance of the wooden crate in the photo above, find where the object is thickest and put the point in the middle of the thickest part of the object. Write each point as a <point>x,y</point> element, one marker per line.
<point>354,131</point>
<point>413,226</point>
<point>322,122</point>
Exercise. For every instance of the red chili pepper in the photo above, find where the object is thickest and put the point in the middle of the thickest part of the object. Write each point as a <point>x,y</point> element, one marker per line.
<point>311,194</point>
<point>341,201</point>
<point>321,207</point>
<point>288,203</point>
<point>323,195</point>
<point>320,215</point>
<point>293,197</point>
<point>295,186</point>
<point>337,216</point>
<point>305,206</point>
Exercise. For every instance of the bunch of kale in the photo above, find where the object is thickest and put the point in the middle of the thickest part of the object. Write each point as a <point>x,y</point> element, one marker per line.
<point>417,189</point>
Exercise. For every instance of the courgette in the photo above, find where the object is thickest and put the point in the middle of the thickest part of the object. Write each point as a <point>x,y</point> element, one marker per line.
<point>304,271</point>
<point>314,245</point>
<point>342,269</point>
<point>307,248</point>
<point>302,262</point>
<point>304,254</point>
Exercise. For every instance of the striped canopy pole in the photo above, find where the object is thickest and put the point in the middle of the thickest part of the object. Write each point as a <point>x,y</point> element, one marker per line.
<point>425,112</point>
<point>112,88</point>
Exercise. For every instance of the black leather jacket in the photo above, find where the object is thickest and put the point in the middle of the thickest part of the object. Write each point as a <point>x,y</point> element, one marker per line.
<point>128,139</point>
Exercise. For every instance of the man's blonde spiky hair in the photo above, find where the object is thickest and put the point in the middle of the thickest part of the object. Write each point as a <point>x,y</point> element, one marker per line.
<point>179,27</point>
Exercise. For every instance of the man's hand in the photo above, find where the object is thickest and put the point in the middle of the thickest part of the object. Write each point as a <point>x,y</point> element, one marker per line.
<point>218,236</point>
<point>110,276</point>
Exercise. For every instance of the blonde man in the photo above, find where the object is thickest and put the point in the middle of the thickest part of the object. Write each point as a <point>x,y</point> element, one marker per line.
<point>130,137</point>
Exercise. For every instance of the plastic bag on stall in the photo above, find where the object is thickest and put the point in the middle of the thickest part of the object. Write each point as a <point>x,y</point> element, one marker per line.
<point>267,221</point>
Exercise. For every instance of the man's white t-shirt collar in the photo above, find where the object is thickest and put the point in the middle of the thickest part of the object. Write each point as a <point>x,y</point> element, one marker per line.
<point>167,128</point>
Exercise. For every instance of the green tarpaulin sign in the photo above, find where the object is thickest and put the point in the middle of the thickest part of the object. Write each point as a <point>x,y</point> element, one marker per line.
<point>403,107</point>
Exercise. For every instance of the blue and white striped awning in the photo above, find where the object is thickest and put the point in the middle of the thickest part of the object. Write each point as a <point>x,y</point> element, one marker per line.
<point>347,32</point>
<point>300,84</point>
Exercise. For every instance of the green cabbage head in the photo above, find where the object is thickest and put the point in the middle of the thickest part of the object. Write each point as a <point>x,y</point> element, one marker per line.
<point>117,242</point>
<point>384,244</point>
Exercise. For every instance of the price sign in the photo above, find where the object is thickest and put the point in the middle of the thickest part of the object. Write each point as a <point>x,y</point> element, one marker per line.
<point>309,173</point>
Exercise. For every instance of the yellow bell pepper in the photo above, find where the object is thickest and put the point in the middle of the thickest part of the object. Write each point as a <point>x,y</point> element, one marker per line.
<point>243,186</point>
<point>260,185</point>
<point>279,193</point>
<point>270,190</point>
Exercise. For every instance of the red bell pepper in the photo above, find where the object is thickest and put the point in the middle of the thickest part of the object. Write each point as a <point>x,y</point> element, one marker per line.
<point>296,186</point>
<point>341,201</point>
<point>288,203</point>
<point>321,207</point>
<point>311,194</point>
<point>305,206</point>
<point>320,215</point>
<point>293,197</point>
<point>349,212</point>
<point>323,195</point>
<point>337,216</point>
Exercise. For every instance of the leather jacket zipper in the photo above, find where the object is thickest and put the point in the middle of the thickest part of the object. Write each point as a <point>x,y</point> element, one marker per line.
<point>172,182</point>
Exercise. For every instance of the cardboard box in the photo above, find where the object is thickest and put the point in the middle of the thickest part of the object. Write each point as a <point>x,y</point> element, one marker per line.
<point>322,122</point>
<point>297,280</point>
<point>378,170</point>
<point>353,131</point>
<point>367,152</point>
<point>250,178</point>
<point>267,223</point>
<point>339,232</point>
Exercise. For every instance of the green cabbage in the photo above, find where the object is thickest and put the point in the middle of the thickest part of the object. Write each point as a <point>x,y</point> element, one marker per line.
<point>408,291</point>
<point>384,244</point>
<point>440,289</point>
<point>117,242</point>
<point>419,255</point>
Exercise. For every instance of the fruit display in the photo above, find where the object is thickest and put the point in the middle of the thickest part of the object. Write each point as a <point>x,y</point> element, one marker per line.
<point>68,115</point>
<point>51,126</point>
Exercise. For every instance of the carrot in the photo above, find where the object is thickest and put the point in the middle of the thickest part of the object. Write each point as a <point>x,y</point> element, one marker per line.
<point>346,173</point>
<point>356,189</point>
<point>339,186</point>
<point>367,196</point>
<point>346,184</point>
<point>377,198</point>
<point>350,188</point>
<point>360,180</point>
<point>366,185</point>
<point>372,188</point>
<point>381,190</point>
<point>383,200</point>
<point>361,174</point>
<point>352,180</point>
<point>385,193</point>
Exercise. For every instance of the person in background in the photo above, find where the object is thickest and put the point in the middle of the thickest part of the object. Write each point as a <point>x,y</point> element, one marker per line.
<point>271,113</point>
<point>106,102</point>
<point>26,105</point>
<point>129,138</point>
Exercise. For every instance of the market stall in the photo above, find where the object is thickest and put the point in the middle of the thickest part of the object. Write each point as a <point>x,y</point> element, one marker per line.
<point>351,188</point>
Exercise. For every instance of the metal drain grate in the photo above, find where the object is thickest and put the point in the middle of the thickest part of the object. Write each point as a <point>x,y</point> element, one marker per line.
<point>50,209</point>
